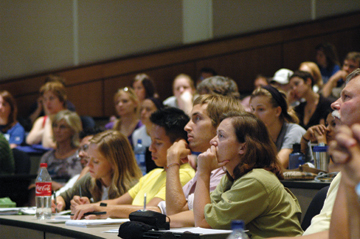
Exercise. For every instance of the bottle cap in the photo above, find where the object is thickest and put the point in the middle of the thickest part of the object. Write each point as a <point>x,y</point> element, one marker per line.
<point>296,147</point>
<point>43,165</point>
<point>139,141</point>
<point>237,224</point>
<point>320,148</point>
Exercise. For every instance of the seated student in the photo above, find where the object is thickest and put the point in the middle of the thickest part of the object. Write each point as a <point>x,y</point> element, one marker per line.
<point>53,98</point>
<point>320,134</point>
<point>7,163</point>
<point>270,105</point>
<point>205,117</point>
<point>346,155</point>
<point>184,91</point>
<point>336,82</point>
<point>12,130</point>
<point>168,127</point>
<point>327,60</point>
<point>314,109</point>
<point>127,106</point>
<point>62,162</point>
<point>86,135</point>
<point>37,109</point>
<point>251,190</point>
<point>112,172</point>
<point>314,70</point>
<point>148,106</point>
<point>144,87</point>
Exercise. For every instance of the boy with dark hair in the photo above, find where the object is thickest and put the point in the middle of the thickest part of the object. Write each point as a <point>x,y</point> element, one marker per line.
<point>168,127</point>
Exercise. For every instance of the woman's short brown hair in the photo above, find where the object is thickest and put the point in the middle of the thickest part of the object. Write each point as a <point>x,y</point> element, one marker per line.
<point>57,89</point>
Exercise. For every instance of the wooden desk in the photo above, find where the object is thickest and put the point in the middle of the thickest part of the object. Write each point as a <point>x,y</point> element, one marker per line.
<point>304,191</point>
<point>15,226</point>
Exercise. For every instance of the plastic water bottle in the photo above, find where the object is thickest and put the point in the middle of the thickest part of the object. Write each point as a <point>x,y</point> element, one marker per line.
<point>140,151</point>
<point>237,227</point>
<point>43,193</point>
<point>296,158</point>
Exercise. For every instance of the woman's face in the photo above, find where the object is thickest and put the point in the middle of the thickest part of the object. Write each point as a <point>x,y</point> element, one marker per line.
<point>51,102</point>
<point>228,148</point>
<point>299,87</point>
<point>181,85</point>
<point>321,58</point>
<point>139,90</point>
<point>62,131</point>
<point>147,108</point>
<point>99,166</point>
<point>330,128</point>
<point>5,109</point>
<point>124,105</point>
<point>263,109</point>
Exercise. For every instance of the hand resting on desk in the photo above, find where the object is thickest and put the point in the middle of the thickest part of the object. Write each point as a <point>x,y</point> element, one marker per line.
<point>80,210</point>
<point>77,200</point>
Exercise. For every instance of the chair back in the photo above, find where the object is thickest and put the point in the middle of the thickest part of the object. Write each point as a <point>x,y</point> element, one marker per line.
<point>22,162</point>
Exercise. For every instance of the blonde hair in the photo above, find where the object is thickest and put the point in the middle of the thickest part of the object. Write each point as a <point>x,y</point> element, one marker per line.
<point>314,71</point>
<point>131,93</point>
<point>115,148</point>
<point>73,120</point>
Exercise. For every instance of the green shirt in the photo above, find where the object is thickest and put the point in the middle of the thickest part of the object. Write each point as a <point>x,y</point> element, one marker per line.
<point>259,198</point>
<point>7,163</point>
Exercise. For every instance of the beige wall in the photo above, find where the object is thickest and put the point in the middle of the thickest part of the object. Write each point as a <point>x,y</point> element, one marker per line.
<point>43,35</point>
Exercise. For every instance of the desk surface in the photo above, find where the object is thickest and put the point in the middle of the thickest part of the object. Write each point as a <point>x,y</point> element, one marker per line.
<point>31,222</point>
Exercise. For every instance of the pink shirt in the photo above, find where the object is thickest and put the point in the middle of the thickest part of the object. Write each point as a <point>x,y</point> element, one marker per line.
<point>189,188</point>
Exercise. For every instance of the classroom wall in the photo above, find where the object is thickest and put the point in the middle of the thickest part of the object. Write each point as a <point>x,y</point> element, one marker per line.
<point>39,35</point>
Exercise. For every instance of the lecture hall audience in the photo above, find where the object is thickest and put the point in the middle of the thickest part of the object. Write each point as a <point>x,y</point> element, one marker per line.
<point>232,150</point>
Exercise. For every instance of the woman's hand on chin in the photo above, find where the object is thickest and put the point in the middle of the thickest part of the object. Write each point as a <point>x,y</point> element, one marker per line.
<point>208,160</point>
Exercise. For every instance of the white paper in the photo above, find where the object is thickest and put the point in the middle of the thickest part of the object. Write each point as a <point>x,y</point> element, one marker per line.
<point>115,230</point>
<point>96,222</point>
<point>16,210</point>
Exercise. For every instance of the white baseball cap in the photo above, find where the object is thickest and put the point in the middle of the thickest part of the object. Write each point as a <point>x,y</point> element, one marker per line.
<point>282,76</point>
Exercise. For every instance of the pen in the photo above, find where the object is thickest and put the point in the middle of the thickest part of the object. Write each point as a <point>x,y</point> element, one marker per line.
<point>80,191</point>
<point>91,213</point>
<point>54,195</point>
<point>144,202</point>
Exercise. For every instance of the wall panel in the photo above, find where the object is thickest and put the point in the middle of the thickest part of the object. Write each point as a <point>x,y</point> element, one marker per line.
<point>91,87</point>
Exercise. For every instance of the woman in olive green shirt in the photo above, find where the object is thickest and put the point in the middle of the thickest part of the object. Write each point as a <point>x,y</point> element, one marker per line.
<point>251,190</point>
